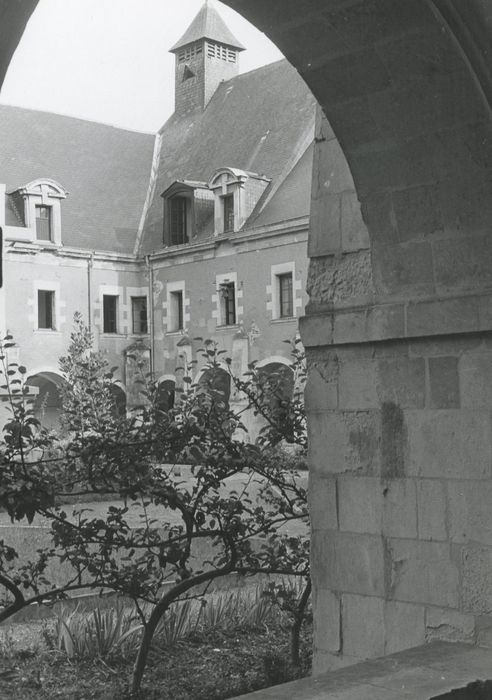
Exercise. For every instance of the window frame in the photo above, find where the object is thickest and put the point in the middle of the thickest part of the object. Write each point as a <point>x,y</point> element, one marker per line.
<point>142,328</point>
<point>276,304</point>
<point>49,209</point>
<point>228,305</point>
<point>176,303</point>
<point>285,297</point>
<point>228,212</point>
<point>115,298</point>
<point>50,323</point>
<point>183,236</point>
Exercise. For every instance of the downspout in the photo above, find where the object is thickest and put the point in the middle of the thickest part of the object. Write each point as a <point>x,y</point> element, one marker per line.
<point>151,313</point>
<point>90,262</point>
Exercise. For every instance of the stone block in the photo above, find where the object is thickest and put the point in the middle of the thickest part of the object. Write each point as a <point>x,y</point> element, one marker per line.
<point>410,106</point>
<point>470,511</point>
<point>448,625</point>
<point>356,120</point>
<point>477,579</point>
<point>385,322</point>
<point>363,626</point>
<point>348,563</point>
<point>404,626</point>
<point>340,280</point>
<point>351,75</point>
<point>378,213</point>
<point>322,496</point>
<point>448,443</point>
<point>327,632</point>
<point>319,393</point>
<point>357,387</point>
<point>360,504</point>
<point>394,164</point>
<point>466,203</point>
<point>353,440</point>
<point>475,373</point>
<point>400,508</point>
<point>444,382</point>
<point>485,312</point>
<point>325,232</point>
<point>411,55</point>
<point>442,317</point>
<point>404,270</point>
<point>431,510</point>
<point>417,213</point>
<point>354,231</point>
<point>316,330</point>
<point>349,327</point>
<point>463,265</point>
<point>422,572</point>
<point>393,441</point>
<point>402,382</point>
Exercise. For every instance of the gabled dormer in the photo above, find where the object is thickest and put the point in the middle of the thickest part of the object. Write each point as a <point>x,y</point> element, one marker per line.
<point>38,207</point>
<point>236,193</point>
<point>206,54</point>
<point>188,208</point>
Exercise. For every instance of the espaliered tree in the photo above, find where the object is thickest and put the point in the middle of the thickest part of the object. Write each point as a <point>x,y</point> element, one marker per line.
<point>236,504</point>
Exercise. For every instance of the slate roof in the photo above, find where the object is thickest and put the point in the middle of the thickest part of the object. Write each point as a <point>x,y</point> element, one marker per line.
<point>208,24</point>
<point>106,171</point>
<point>255,122</point>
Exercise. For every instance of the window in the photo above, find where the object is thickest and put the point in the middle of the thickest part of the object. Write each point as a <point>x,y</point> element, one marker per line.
<point>285,297</point>
<point>228,213</point>
<point>227,294</point>
<point>110,313</point>
<point>46,309</point>
<point>139,315</point>
<point>43,223</point>
<point>178,220</point>
<point>176,311</point>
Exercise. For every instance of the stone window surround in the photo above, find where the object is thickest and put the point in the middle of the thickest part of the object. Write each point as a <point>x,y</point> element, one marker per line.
<point>59,306</point>
<point>167,320</point>
<point>216,312</point>
<point>273,290</point>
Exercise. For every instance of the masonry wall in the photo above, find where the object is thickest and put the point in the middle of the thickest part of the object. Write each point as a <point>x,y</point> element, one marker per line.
<point>399,344</point>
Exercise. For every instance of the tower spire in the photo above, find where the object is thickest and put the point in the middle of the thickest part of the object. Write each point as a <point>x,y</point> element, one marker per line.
<point>206,54</point>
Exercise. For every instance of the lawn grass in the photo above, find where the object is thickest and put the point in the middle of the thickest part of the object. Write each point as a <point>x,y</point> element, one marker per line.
<point>204,665</point>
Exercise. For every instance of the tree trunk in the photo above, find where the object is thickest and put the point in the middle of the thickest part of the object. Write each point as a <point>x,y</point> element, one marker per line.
<point>296,627</point>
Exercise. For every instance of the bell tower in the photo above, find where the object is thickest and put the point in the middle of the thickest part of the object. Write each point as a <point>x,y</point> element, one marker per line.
<point>206,54</point>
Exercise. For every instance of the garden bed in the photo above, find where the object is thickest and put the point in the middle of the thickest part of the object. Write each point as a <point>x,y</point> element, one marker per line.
<point>206,664</point>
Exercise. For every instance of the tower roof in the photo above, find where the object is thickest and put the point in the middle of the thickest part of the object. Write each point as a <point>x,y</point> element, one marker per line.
<point>208,24</point>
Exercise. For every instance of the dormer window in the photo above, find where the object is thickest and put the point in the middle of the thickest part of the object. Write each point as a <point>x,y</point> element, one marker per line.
<point>188,206</point>
<point>236,193</point>
<point>44,230</point>
<point>41,200</point>
<point>178,220</point>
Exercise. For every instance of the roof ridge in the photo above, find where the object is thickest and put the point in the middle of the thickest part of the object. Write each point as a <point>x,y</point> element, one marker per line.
<point>76,118</point>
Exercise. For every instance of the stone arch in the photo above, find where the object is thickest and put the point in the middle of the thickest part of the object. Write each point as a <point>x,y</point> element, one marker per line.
<point>165,392</point>
<point>400,287</point>
<point>47,400</point>
<point>216,381</point>
<point>406,89</point>
<point>119,395</point>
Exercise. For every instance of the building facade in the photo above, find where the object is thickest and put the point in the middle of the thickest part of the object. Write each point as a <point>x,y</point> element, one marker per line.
<point>197,232</point>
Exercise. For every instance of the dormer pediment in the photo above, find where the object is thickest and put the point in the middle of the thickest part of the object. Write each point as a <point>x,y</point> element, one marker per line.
<point>43,187</point>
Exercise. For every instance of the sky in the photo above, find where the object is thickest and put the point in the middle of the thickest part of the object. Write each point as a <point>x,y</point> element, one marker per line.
<point>108,60</point>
